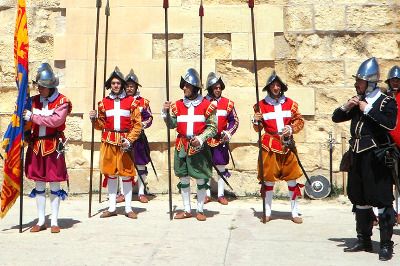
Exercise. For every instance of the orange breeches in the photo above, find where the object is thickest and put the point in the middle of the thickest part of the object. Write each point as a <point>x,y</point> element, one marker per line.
<point>113,161</point>
<point>279,167</point>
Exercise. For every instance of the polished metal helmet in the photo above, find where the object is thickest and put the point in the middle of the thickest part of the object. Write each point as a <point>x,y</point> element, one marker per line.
<point>131,77</point>
<point>213,79</point>
<point>271,79</point>
<point>393,73</point>
<point>368,71</point>
<point>45,77</point>
<point>191,77</point>
<point>115,74</point>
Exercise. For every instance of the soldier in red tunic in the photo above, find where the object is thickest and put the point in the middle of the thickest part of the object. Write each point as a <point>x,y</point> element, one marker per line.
<point>119,120</point>
<point>194,120</point>
<point>280,119</point>
<point>45,160</point>
<point>227,124</point>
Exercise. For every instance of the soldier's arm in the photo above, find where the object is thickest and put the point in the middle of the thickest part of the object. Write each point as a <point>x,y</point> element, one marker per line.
<point>147,116</point>
<point>211,128</point>
<point>100,120</point>
<point>136,129</point>
<point>385,115</point>
<point>257,126</point>
<point>172,116</point>
<point>233,122</point>
<point>297,122</point>
<point>54,120</point>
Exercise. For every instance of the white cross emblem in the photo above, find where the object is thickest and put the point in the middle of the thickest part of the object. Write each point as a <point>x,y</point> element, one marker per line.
<point>278,116</point>
<point>43,112</point>
<point>221,113</point>
<point>190,119</point>
<point>117,112</point>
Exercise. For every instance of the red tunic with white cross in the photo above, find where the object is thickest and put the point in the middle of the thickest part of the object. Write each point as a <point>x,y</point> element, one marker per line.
<point>117,118</point>
<point>190,121</point>
<point>275,118</point>
<point>45,138</point>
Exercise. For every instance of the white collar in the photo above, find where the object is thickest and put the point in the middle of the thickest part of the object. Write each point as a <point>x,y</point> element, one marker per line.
<point>210,98</point>
<point>272,101</point>
<point>51,98</point>
<point>195,102</point>
<point>120,96</point>
<point>137,94</point>
<point>372,96</point>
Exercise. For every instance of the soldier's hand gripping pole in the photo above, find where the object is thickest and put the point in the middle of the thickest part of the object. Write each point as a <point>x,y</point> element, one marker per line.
<point>96,48</point>
<point>165,6</point>
<point>260,162</point>
<point>107,13</point>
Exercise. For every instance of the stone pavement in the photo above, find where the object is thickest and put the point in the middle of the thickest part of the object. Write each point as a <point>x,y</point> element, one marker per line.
<point>232,235</point>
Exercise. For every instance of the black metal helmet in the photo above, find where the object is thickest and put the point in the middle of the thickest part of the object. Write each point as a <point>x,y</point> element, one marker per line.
<point>131,77</point>
<point>115,74</point>
<point>271,79</point>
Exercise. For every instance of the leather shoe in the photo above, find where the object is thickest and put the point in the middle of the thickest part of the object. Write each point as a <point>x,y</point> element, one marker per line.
<point>131,215</point>
<point>55,229</point>
<point>386,251</point>
<point>201,217</point>
<point>222,200</point>
<point>182,215</point>
<point>143,199</point>
<point>297,220</point>
<point>107,214</point>
<point>360,245</point>
<point>37,228</point>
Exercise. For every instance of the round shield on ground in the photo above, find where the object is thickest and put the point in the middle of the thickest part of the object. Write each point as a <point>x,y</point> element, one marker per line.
<point>320,187</point>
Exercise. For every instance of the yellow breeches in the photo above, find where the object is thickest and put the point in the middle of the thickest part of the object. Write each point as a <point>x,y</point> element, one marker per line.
<point>113,161</point>
<point>278,166</point>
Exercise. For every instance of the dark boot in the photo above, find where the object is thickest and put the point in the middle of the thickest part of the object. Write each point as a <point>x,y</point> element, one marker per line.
<point>364,224</point>
<point>386,222</point>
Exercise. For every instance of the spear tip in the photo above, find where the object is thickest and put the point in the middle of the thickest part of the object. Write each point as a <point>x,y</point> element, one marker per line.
<point>201,11</point>
<point>165,4</point>
<point>98,3</point>
<point>251,3</point>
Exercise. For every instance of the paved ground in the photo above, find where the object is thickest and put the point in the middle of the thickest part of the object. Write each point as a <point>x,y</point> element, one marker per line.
<point>232,235</point>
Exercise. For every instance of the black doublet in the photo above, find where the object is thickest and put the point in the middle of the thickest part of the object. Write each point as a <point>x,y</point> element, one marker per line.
<point>370,181</point>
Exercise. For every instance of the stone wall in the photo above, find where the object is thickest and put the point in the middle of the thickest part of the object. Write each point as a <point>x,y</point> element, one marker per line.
<point>314,45</point>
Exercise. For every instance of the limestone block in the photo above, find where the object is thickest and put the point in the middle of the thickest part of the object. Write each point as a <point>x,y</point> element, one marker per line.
<point>60,47</point>
<point>183,19</point>
<point>287,70</point>
<point>7,18</point>
<point>364,18</point>
<point>73,156</point>
<point>314,46</point>
<point>272,22</point>
<point>77,72</point>
<point>7,100</point>
<point>240,72</point>
<point>241,46</point>
<point>330,17</point>
<point>7,77</point>
<point>299,18</point>
<point>284,45</point>
<point>80,47</point>
<point>265,46</point>
<point>248,152</point>
<point>74,128</point>
<point>226,20</point>
<point>349,46</point>
<point>119,3</point>
<point>217,46</point>
<point>310,155</point>
<point>191,46</point>
<point>305,97</point>
<point>385,46</point>
<point>321,72</point>
<point>330,98</point>
<point>175,46</point>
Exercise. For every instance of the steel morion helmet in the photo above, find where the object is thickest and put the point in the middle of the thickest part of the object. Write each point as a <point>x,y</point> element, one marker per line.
<point>45,77</point>
<point>191,77</point>
<point>271,79</point>
<point>213,79</point>
<point>131,77</point>
<point>115,74</point>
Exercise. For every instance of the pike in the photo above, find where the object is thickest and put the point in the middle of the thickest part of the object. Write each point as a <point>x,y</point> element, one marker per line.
<point>165,6</point>
<point>107,13</point>
<point>291,145</point>
<point>201,15</point>
<point>260,163</point>
<point>96,48</point>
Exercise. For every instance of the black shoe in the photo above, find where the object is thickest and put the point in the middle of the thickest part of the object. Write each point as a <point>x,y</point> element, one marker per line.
<point>360,245</point>
<point>386,251</point>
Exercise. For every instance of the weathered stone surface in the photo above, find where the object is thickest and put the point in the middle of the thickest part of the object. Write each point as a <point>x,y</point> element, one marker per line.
<point>217,46</point>
<point>175,45</point>
<point>349,46</point>
<point>313,47</point>
<point>321,72</point>
<point>285,46</point>
<point>330,17</point>
<point>299,18</point>
<point>364,18</point>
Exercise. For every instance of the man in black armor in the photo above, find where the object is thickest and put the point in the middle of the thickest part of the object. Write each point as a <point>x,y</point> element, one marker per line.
<point>372,114</point>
